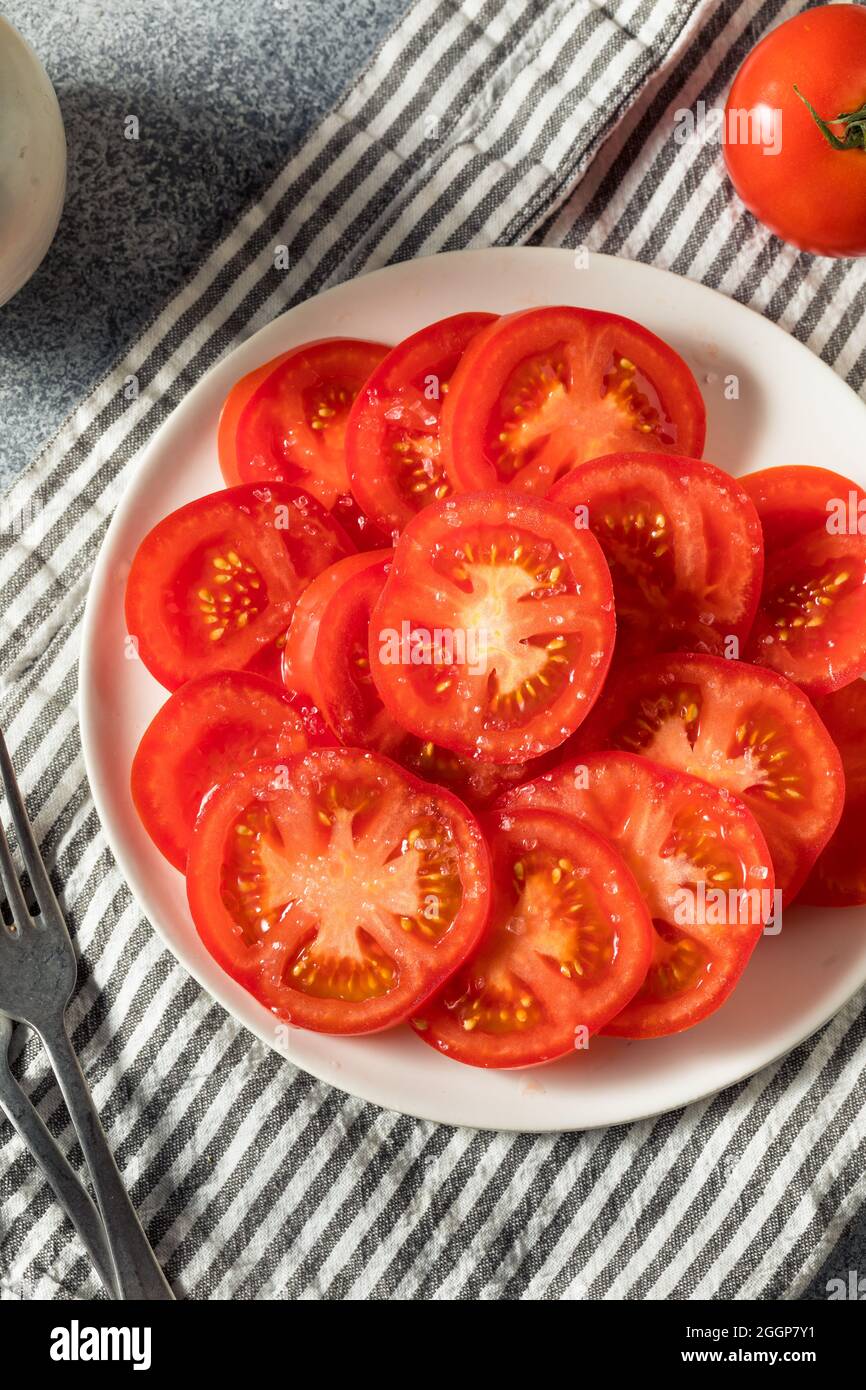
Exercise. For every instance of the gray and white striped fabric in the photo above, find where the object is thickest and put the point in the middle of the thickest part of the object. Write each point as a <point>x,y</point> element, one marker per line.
<point>488,121</point>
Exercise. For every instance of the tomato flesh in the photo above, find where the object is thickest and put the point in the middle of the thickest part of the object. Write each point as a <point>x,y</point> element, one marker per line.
<point>740,727</point>
<point>233,407</point>
<point>839,877</point>
<point>327,654</point>
<point>684,546</point>
<point>543,390</point>
<point>286,422</point>
<point>568,945</point>
<point>794,500</point>
<point>392,440</point>
<point>336,888</point>
<point>811,621</point>
<point>675,833</point>
<point>495,627</point>
<point>312,625</point>
<point>213,585</point>
<point>201,735</point>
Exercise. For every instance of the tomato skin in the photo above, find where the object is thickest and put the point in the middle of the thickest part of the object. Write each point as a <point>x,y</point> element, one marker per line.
<point>530,594</point>
<point>838,879</point>
<point>270,430</point>
<point>691,583</point>
<point>807,193</point>
<point>373,807</point>
<point>674,831</point>
<point>551,1001</point>
<point>741,727</point>
<point>198,738</point>
<point>583,404</point>
<point>180,573</point>
<point>381,450</point>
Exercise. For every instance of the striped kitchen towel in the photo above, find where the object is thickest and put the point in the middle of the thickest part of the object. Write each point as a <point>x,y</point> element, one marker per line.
<point>486,121</point>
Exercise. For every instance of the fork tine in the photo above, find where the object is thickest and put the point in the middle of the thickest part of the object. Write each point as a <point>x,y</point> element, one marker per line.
<point>11,886</point>
<point>39,880</point>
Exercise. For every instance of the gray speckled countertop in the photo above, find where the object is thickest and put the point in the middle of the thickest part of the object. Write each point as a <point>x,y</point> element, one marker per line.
<point>223,90</point>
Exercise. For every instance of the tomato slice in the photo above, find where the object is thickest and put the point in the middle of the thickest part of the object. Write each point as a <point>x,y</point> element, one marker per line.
<point>811,623</point>
<point>286,423</point>
<point>701,862</point>
<point>568,946</point>
<point>684,546</point>
<point>213,585</point>
<point>793,500</point>
<point>392,439</point>
<point>200,736</point>
<point>268,661</point>
<point>302,667</point>
<point>336,888</point>
<point>839,877</point>
<point>316,731</point>
<point>327,655</point>
<point>740,727</point>
<point>543,390</point>
<point>495,627</point>
<point>233,407</point>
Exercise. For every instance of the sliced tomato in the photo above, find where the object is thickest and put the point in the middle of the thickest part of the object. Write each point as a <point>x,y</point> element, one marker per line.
<point>312,621</point>
<point>327,655</point>
<point>268,661</point>
<point>495,626</point>
<point>476,782</point>
<point>569,944</point>
<point>543,390</point>
<point>839,877</point>
<point>392,438</point>
<point>684,546</point>
<point>316,731</point>
<point>327,652</point>
<point>338,889</point>
<point>202,734</point>
<point>233,407</point>
<point>794,500</point>
<point>742,728</point>
<point>286,423</point>
<point>701,863</point>
<point>213,585</point>
<point>811,623</point>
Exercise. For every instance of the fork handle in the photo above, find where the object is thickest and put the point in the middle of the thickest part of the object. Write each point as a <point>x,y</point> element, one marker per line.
<point>60,1175</point>
<point>138,1276</point>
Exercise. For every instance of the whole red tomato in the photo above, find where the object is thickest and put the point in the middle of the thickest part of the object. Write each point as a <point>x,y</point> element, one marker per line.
<point>794,130</point>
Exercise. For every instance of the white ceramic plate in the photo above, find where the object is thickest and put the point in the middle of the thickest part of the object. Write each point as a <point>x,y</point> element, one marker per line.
<point>792,408</point>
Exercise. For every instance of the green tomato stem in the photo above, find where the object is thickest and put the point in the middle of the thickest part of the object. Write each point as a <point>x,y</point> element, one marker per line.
<point>853,121</point>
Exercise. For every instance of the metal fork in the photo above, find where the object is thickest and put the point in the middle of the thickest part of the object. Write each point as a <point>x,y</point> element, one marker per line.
<point>37,977</point>
<point>60,1174</point>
